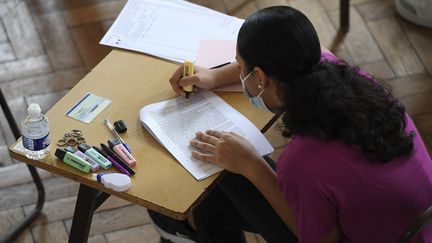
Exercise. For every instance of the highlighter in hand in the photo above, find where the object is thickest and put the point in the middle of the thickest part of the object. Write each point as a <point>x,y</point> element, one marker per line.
<point>188,70</point>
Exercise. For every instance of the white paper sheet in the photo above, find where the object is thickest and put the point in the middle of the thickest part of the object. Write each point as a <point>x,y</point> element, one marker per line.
<point>174,123</point>
<point>168,29</point>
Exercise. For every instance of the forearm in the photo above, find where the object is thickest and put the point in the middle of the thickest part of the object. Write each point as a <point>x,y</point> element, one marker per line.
<point>228,74</point>
<point>264,179</point>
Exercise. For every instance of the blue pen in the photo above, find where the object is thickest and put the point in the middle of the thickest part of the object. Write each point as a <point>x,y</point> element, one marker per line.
<point>111,127</point>
<point>127,147</point>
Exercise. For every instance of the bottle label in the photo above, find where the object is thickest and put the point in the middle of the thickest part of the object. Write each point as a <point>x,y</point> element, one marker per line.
<point>36,144</point>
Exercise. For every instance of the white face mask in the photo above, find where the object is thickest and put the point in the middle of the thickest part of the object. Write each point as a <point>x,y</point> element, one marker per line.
<point>257,101</point>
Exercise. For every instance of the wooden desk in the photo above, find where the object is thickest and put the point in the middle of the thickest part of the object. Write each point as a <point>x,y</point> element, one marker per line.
<point>131,80</point>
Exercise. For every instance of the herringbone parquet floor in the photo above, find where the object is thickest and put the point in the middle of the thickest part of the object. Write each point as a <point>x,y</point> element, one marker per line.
<point>47,46</point>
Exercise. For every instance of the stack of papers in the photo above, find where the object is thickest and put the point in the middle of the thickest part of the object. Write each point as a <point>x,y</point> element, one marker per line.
<point>170,29</point>
<point>174,123</point>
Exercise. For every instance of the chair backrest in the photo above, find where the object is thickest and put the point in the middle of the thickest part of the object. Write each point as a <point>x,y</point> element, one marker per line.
<point>419,223</point>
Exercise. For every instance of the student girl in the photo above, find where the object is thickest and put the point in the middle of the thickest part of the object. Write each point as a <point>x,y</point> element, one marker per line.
<point>355,170</point>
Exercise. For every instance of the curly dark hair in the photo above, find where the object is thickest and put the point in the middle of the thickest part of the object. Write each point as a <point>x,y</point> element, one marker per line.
<point>337,103</point>
<point>320,98</point>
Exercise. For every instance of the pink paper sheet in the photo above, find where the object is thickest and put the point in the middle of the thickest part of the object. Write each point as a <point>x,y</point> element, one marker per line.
<point>216,52</point>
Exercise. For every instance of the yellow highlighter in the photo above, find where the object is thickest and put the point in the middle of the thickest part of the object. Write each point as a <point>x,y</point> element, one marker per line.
<point>188,70</point>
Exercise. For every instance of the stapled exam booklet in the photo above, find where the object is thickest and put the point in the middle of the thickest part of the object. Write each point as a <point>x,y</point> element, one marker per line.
<point>88,107</point>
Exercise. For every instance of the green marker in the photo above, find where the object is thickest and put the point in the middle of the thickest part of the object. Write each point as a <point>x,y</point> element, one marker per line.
<point>93,154</point>
<point>73,160</point>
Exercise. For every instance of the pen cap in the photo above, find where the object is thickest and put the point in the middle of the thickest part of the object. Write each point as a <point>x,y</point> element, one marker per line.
<point>100,151</point>
<point>83,147</point>
<point>113,142</point>
<point>106,149</point>
<point>71,149</point>
<point>60,153</point>
<point>120,126</point>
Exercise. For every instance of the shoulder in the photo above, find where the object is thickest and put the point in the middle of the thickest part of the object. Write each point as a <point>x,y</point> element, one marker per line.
<point>327,56</point>
<point>298,156</point>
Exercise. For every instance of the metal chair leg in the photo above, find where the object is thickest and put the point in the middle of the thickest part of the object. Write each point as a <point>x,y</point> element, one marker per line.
<point>344,15</point>
<point>22,225</point>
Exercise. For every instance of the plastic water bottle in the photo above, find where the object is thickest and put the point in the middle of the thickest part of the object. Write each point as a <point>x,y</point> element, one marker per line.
<point>35,133</point>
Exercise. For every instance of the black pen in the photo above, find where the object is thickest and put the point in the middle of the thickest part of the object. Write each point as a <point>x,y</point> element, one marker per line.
<point>113,161</point>
<point>220,65</point>
<point>117,158</point>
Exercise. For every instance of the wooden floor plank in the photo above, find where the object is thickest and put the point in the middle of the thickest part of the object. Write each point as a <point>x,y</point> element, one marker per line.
<point>17,174</point>
<point>25,194</point>
<point>58,41</point>
<point>319,18</point>
<point>380,69</point>
<point>418,104</point>
<point>52,232</point>
<point>121,218</point>
<point>3,36</point>
<point>21,68</point>
<point>424,125</point>
<point>421,39</point>
<point>377,9</point>
<point>63,208</point>
<point>246,11</point>
<point>5,160</point>
<point>410,85</point>
<point>267,3</point>
<point>359,41</point>
<point>9,219</point>
<point>6,52</point>
<point>93,13</point>
<point>144,233</point>
<point>22,32</point>
<point>46,101</point>
<point>87,38</point>
<point>97,239</point>
<point>49,6</point>
<point>44,83</point>
<point>395,46</point>
<point>215,5</point>
<point>334,4</point>
<point>18,109</point>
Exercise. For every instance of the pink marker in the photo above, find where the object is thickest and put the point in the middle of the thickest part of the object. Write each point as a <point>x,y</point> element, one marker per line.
<point>122,152</point>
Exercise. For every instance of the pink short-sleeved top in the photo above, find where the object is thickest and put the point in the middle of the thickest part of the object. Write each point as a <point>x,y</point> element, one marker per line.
<point>329,184</point>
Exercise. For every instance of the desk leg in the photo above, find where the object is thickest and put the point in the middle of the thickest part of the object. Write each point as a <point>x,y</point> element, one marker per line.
<point>88,201</point>
<point>344,15</point>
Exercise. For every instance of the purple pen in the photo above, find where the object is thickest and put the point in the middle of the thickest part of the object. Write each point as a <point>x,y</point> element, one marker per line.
<point>94,166</point>
<point>117,165</point>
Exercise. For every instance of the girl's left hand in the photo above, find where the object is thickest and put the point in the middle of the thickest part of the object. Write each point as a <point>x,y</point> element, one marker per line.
<point>226,150</point>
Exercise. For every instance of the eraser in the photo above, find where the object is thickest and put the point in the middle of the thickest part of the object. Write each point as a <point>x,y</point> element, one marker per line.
<point>120,126</point>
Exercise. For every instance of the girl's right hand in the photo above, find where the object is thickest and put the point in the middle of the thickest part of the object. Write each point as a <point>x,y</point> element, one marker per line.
<point>203,78</point>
